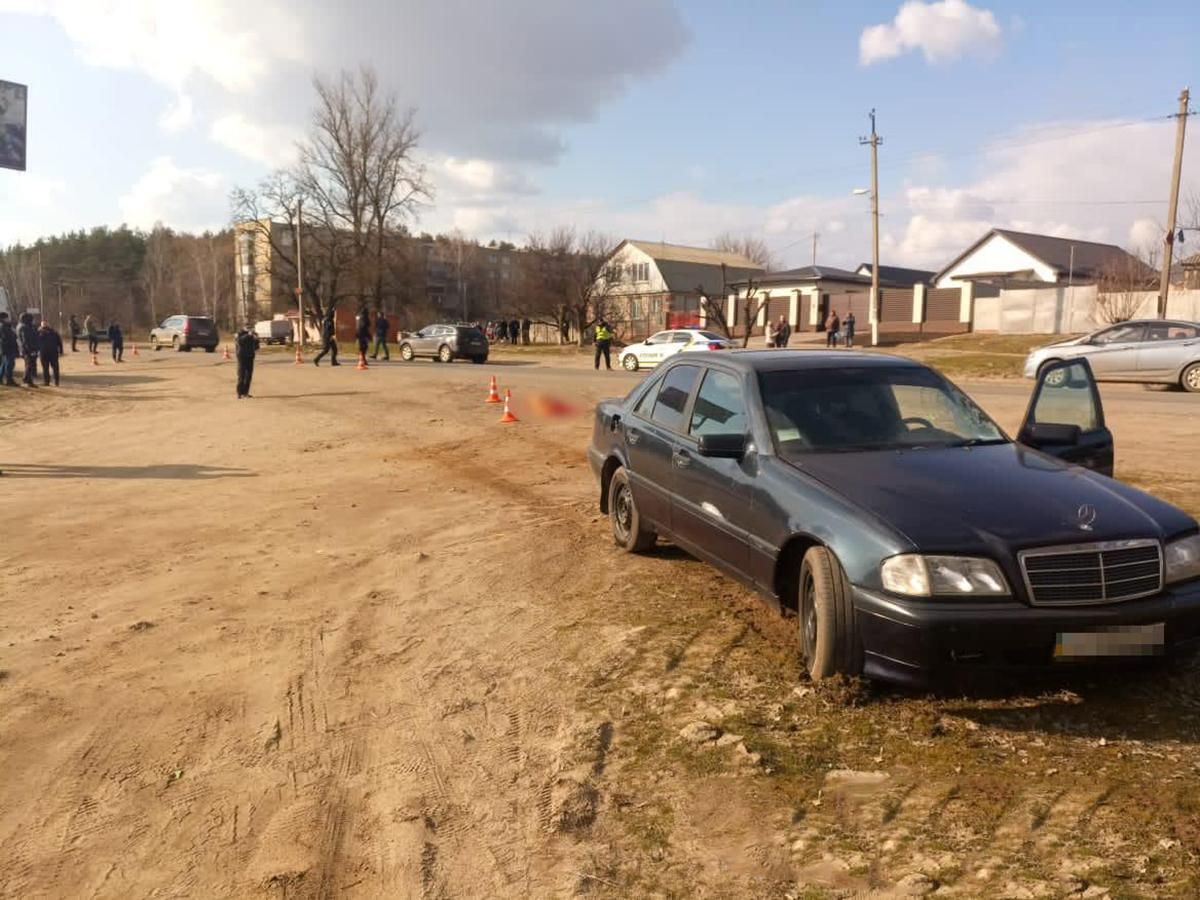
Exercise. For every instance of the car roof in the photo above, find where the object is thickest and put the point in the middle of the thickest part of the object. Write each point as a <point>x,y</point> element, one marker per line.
<point>777,360</point>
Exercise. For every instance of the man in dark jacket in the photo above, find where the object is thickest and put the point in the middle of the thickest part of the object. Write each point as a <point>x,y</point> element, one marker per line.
<point>27,343</point>
<point>381,336</point>
<point>328,339</point>
<point>525,326</point>
<point>76,331</point>
<point>50,345</point>
<point>246,343</point>
<point>363,332</point>
<point>514,332</point>
<point>116,340</point>
<point>9,350</point>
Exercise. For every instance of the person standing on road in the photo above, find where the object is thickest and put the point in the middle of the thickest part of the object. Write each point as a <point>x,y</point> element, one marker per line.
<point>514,332</point>
<point>849,326</point>
<point>117,341</point>
<point>9,348</point>
<point>246,344</point>
<point>73,326</point>
<point>604,338</point>
<point>363,332</point>
<point>832,324</point>
<point>27,344</point>
<point>93,334</point>
<point>772,335</point>
<point>50,345</point>
<point>328,340</point>
<point>783,333</point>
<point>525,326</point>
<point>381,336</point>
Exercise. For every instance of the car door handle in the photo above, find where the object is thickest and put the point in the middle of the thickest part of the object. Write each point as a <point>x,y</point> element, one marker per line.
<point>683,459</point>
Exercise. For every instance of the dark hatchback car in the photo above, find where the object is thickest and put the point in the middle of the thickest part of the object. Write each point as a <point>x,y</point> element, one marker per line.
<point>446,343</point>
<point>910,534</point>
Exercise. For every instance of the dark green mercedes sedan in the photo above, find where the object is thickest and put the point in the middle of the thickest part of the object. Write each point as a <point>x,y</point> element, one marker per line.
<point>911,536</point>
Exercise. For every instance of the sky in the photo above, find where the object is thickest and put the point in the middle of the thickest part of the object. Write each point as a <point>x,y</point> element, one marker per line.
<point>670,120</point>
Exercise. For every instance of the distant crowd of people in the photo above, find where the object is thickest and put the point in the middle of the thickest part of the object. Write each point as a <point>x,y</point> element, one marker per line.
<point>837,329</point>
<point>511,331</point>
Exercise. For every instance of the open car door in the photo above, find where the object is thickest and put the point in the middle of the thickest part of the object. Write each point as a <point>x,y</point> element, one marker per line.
<point>1066,419</point>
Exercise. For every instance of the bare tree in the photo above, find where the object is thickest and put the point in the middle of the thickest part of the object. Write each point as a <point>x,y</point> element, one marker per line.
<point>359,182</point>
<point>158,266</point>
<point>577,291</point>
<point>754,249</point>
<point>1122,287</point>
<point>752,305</point>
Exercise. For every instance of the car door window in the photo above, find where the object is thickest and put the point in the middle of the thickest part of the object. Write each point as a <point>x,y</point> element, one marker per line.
<point>680,337</point>
<point>660,338</point>
<point>1169,331</point>
<point>673,396</point>
<point>1122,334</point>
<point>719,406</point>
<point>1067,397</point>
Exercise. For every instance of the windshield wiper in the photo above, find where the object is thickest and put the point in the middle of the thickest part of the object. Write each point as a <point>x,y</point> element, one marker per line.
<point>979,442</point>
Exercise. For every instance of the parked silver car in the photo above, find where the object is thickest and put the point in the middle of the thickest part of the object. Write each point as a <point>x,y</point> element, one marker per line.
<point>1155,351</point>
<point>186,333</point>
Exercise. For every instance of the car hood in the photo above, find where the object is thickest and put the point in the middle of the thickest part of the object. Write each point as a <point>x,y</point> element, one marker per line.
<point>1002,496</point>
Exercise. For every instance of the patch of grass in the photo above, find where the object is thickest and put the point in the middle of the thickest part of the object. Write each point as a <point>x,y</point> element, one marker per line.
<point>976,365</point>
<point>1016,344</point>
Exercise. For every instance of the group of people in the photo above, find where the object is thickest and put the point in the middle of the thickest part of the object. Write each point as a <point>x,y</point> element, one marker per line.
<point>364,330</point>
<point>92,331</point>
<point>30,343</point>
<point>513,331</point>
<point>837,329</point>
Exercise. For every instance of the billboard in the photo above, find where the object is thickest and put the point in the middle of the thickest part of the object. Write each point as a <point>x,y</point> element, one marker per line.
<point>13,116</point>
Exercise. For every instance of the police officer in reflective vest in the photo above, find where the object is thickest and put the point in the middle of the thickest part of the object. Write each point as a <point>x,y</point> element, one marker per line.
<point>604,338</point>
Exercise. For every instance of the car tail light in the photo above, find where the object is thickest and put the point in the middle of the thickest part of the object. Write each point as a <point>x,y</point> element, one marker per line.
<point>715,345</point>
<point>187,327</point>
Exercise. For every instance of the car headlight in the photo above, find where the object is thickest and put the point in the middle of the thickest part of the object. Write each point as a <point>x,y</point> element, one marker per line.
<point>1181,559</point>
<point>939,576</point>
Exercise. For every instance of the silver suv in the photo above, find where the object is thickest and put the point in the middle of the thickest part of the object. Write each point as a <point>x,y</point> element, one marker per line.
<point>186,333</point>
<point>446,343</point>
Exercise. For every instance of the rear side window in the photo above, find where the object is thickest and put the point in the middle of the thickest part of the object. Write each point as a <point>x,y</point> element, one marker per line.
<point>673,397</point>
<point>466,334</point>
<point>719,407</point>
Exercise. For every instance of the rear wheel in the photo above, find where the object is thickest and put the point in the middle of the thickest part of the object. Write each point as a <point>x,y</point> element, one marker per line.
<point>445,354</point>
<point>406,353</point>
<point>479,360</point>
<point>1191,378</point>
<point>175,344</point>
<point>828,628</point>
<point>630,363</point>
<point>627,528</point>
<point>210,349</point>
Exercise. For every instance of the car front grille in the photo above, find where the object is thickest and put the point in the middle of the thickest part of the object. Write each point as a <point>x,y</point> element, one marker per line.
<point>1083,574</point>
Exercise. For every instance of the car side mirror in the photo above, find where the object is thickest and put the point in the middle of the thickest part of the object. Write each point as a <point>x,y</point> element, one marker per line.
<point>722,446</point>
<point>1050,434</point>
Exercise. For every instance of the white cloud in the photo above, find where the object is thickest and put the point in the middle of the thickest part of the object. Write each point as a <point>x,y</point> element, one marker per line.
<point>271,145</point>
<point>1145,233</point>
<point>189,199</point>
<point>943,31</point>
<point>31,205</point>
<point>179,115</point>
<point>482,177</point>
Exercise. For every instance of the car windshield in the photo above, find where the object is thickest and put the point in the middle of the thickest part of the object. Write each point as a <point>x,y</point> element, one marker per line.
<point>870,408</point>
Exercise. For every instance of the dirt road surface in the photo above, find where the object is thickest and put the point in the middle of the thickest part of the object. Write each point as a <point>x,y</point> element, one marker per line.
<point>353,638</point>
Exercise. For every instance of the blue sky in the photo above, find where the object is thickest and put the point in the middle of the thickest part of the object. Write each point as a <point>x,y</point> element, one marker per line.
<point>639,118</point>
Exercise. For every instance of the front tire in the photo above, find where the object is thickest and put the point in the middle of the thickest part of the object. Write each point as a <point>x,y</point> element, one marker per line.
<point>628,531</point>
<point>445,354</point>
<point>406,353</point>
<point>1044,366</point>
<point>1190,379</point>
<point>828,627</point>
<point>154,344</point>
<point>629,363</point>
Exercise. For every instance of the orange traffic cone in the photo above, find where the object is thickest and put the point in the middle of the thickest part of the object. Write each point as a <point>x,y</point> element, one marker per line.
<point>135,350</point>
<point>95,358</point>
<point>493,394</point>
<point>226,355</point>
<point>299,358</point>
<point>508,417</point>
<point>362,360</point>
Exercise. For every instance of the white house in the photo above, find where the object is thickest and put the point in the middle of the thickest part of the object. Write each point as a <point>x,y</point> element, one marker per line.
<point>1003,258</point>
<point>650,285</point>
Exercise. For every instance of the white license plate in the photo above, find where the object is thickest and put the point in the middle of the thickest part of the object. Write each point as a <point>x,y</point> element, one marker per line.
<point>1119,640</point>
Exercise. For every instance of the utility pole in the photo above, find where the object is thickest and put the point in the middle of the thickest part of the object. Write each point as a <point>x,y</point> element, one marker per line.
<point>41,294</point>
<point>59,286</point>
<point>873,142</point>
<point>300,268</point>
<point>1164,287</point>
<point>816,234</point>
